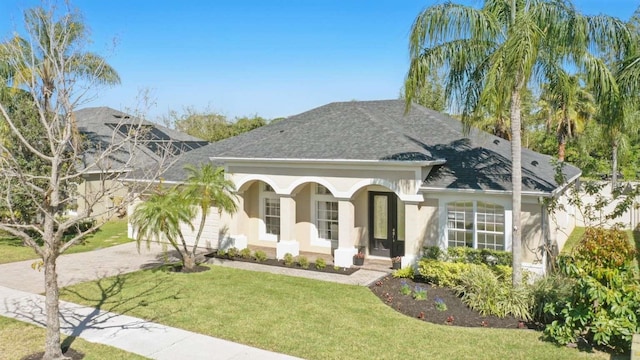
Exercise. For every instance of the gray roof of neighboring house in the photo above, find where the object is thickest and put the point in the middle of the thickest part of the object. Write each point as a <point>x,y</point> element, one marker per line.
<point>102,126</point>
<point>380,130</point>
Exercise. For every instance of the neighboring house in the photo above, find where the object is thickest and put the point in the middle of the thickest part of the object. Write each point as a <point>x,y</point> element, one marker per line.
<point>105,128</point>
<point>364,174</point>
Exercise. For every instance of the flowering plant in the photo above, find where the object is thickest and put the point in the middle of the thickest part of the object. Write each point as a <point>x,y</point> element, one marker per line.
<point>396,259</point>
<point>359,255</point>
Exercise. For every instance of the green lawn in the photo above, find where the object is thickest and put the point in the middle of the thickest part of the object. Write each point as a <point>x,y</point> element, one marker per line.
<point>19,339</point>
<point>109,234</point>
<point>306,318</point>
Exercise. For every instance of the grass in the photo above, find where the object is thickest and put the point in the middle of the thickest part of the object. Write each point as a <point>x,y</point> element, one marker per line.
<point>19,339</point>
<point>110,234</point>
<point>305,318</point>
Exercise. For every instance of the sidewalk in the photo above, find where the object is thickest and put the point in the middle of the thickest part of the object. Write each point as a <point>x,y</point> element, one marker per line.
<point>19,285</point>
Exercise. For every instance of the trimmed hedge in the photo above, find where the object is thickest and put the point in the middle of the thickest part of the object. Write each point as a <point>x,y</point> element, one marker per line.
<point>468,255</point>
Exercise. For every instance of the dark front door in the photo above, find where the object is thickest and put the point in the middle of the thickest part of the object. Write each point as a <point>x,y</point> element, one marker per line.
<point>383,227</point>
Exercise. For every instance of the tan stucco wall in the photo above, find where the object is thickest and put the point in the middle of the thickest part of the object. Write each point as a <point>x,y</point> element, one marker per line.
<point>428,223</point>
<point>100,196</point>
<point>532,239</point>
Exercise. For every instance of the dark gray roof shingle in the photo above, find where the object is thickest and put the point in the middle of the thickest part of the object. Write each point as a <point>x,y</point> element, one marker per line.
<point>380,130</point>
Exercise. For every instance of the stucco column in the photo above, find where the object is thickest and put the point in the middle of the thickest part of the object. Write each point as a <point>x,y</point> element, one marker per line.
<point>287,243</point>
<point>412,240</point>
<point>343,255</point>
<point>235,235</point>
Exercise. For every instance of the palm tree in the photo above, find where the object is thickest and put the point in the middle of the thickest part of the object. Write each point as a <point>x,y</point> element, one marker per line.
<point>206,188</point>
<point>496,51</point>
<point>159,217</point>
<point>570,105</point>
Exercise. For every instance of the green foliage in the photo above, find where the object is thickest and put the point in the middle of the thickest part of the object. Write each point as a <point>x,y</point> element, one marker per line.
<point>469,255</point>
<point>440,304</point>
<point>211,126</point>
<point>609,248</point>
<point>320,263</point>
<point>405,289</point>
<point>406,272</point>
<point>550,291</point>
<point>260,255</point>
<point>245,253</point>
<point>604,300</point>
<point>442,273</point>
<point>221,252</point>
<point>419,293</point>
<point>303,262</point>
<point>482,290</point>
<point>288,259</point>
<point>233,252</point>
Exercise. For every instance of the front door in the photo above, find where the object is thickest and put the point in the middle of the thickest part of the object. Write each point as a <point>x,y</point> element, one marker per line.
<point>383,221</point>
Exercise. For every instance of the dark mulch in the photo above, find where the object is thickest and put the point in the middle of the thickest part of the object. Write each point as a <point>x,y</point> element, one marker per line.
<point>70,353</point>
<point>280,263</point>
<point>457,313</point>
<point>179,269</point>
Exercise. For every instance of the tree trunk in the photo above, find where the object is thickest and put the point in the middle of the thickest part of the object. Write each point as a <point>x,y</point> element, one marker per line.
<point>188,263</point>
<point>203,218</point>
<point>562,145</point>
<point>614,165</point>
<point>52,349</point>
<point>516,182</point>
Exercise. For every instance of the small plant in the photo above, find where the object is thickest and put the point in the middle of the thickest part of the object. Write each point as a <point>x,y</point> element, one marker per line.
<point>405,289</point>
<point>419,293</point>
<point>396,260</point>
<point>359,255</point>
<point>233,252</point>
<point>320,264</point>
<point>260,256</point>
<point>440,304</point>
<point>221,252</point>
<point>303,262</point>
<point>450,320</point>
<point>245,253</point>
<point>288,259</point>
<point>406,272</point>
<point>336,268</point>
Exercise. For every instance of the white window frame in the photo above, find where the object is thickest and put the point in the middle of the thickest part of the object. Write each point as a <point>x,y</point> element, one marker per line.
<point>475,221</point>
<point>316,198</point>
<point>266,192</point>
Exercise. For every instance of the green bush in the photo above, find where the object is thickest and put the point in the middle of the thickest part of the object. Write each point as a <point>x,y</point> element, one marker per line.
<point>221,252</point>
<point>245,253</point>
<point>468,255</point>
<point>441,273</point>
<point>288,259</point>
<point>320,264</point>
<point>549,292</point>
<point>603,305</point>
<point>303,262</point>
<point>406,272</point>
<point>482,290</point>
<point>233,252</point>
<point>260,255</point>
<point>604,248</point>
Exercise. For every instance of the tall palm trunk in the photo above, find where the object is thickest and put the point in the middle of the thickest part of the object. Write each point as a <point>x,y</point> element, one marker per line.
<point>516,180</point>
<point>614,164</point>
<point>562,145</point>
<point>203,217</point>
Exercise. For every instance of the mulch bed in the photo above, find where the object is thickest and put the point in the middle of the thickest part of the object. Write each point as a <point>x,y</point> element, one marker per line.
<point>280,263</point>
<point>457,313</point>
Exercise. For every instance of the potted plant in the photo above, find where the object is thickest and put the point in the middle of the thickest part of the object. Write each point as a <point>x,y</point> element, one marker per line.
<point>396,262</point>
<point>358,259</point>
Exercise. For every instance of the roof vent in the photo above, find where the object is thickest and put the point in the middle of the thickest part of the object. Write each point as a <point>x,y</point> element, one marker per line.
<point>496,141</point>
<point>534,163</point>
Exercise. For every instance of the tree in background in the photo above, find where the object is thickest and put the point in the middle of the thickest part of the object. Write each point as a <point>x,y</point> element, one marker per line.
<point>491,54</point>
<point>211,126</point>
<point>46,156</point>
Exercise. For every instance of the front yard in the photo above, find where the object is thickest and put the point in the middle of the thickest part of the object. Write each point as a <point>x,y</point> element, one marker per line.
<point>110,234</point>
<point>306,318</point>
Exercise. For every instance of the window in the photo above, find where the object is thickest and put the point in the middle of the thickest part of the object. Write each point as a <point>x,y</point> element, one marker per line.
<point>269,213</point>
<point>473,224</point>
<point>325,217</point>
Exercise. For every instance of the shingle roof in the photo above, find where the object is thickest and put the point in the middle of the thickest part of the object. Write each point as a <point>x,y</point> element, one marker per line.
<point>380,130</point>
<point>99,124</point>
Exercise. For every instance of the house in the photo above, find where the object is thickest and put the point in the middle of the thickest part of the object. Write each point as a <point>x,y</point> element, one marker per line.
<point>130,143</point>
<point>364,174</point>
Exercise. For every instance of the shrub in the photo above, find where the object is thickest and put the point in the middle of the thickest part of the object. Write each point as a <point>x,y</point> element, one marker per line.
<point>288,259</point>
<point>482,290</point>
<point>260,255</point>
<point>608,248</point>
<point>441,273</point>
<point>320,264</point>
<point>221,252</point>
<point>406,272</point>
<point>549,291</point>
<point>245,253</point>
<point>468,255</point>
<point>233,252</point>
<point>303,262</point>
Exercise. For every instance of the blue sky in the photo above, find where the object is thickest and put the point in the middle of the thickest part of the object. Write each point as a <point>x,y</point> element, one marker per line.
<point>272,58</point>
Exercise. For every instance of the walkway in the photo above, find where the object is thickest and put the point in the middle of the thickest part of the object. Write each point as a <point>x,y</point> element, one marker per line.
<point>19,285</point>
